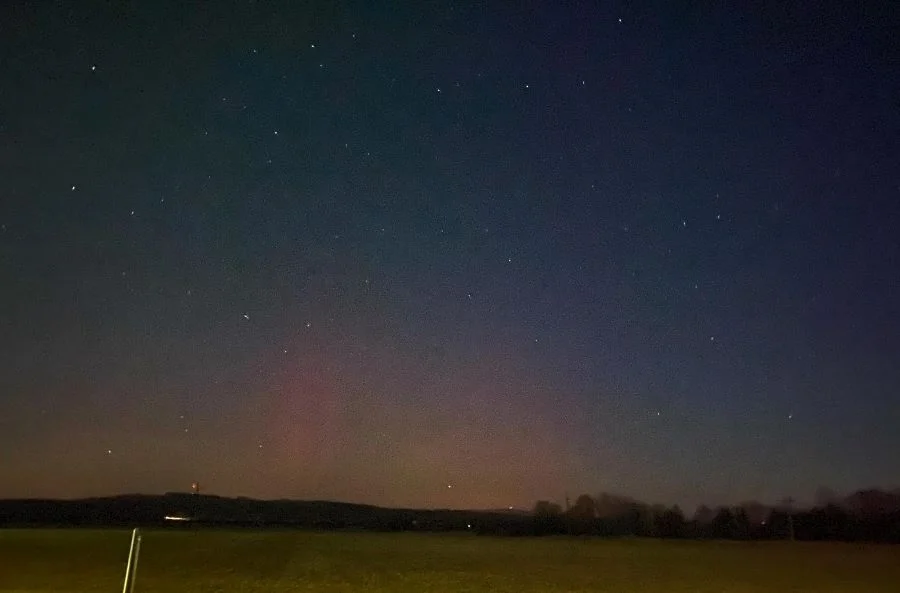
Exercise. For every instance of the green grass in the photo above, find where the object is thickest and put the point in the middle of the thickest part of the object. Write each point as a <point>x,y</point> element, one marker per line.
<point>199,561</point>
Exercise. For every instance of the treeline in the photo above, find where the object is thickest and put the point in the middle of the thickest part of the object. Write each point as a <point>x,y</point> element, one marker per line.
<point>872,516</point>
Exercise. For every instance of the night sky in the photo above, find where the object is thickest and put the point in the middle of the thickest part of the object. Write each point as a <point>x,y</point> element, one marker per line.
<point>449,255</point>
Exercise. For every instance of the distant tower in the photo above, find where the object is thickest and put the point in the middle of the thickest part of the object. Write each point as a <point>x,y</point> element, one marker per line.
<point>195,488</point>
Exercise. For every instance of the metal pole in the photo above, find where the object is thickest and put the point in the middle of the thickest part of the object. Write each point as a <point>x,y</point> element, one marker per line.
<point>789,501</point>
<point>131,568</point>
<point>791,523</point>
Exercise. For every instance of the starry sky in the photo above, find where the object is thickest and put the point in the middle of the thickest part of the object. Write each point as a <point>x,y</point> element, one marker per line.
<point>448,254</point>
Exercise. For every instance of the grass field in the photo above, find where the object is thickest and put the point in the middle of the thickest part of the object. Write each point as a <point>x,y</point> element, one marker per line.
<point>199,561</point>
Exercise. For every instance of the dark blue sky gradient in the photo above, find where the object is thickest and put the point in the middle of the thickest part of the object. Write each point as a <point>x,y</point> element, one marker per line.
<point>463,255</point>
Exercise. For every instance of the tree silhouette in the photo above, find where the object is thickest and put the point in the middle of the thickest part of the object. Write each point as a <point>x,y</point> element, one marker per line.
<point>548,518</point>
<point>704,515</point>
<point>670,523</point>
<point>544,508</point>
<point>582,515</point>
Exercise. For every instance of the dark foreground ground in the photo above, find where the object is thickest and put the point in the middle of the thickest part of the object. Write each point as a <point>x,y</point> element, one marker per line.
<point>196,561</point>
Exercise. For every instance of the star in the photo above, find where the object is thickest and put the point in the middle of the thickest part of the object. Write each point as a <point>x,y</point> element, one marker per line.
<point>592,317</point>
